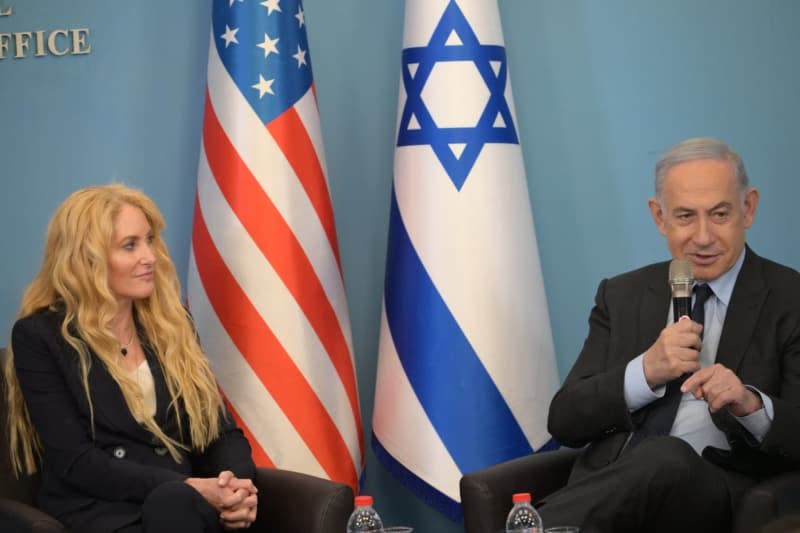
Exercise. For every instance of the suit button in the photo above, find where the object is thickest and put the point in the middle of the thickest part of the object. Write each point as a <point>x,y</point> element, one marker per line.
<point>154,440</point>
<point>119,452</point>
<point>160,451</point>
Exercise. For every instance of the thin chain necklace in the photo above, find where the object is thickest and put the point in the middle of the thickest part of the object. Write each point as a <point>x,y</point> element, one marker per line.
<point>123,348</point>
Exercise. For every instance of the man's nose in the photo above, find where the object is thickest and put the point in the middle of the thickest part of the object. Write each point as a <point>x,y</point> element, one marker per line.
<point>704,234</point>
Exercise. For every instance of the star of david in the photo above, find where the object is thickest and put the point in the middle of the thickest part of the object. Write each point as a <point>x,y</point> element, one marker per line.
<point>457,148</point>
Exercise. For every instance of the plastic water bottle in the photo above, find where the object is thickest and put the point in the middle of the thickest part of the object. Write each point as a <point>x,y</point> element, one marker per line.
<point>523,518</point>
<point>364,518</point>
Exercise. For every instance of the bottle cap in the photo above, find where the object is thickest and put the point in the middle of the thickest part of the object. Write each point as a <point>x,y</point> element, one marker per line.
<point>521,497</point>
<point>364,500</point>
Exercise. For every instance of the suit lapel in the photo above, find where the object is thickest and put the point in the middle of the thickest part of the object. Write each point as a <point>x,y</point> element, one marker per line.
<point>653,308</point>
<point>160,385</point>
<point>747,298</point>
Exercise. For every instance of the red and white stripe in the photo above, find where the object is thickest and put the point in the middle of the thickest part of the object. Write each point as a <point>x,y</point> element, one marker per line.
<point>265,284</point>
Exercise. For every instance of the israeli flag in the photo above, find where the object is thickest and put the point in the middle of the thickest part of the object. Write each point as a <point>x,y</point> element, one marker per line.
<point>466,369</point>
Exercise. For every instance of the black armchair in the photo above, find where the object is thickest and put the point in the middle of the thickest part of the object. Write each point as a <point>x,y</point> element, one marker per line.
<point>486,494</point>
<point>282,494</point>
<point>326,504</point>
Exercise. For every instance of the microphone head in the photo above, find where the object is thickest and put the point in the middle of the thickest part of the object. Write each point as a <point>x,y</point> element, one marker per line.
<point>680,271</point>
<point>681,278</point>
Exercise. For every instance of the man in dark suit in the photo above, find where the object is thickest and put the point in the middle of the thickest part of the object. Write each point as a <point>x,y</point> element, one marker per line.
<point>734,378</point>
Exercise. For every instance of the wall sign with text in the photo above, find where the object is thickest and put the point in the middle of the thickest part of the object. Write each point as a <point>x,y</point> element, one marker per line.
<point>41,43</point>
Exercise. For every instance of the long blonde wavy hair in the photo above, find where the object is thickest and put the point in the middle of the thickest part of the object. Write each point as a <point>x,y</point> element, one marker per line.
<point>74,278</point>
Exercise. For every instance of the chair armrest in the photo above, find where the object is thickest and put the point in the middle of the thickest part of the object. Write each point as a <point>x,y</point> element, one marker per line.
<point>16,517</point>
<point>486,494</point>
<point>767,501</point>
<point>290,502</point>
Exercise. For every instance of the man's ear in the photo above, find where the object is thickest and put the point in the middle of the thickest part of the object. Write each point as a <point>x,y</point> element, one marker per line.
<point>751,198</point>
<point>658,215</point>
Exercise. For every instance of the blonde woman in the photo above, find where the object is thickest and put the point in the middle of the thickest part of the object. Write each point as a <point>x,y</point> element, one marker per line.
<point>109,391</point>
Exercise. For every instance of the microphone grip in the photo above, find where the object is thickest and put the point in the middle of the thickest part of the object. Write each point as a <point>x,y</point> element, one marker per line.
<point>681,306</point>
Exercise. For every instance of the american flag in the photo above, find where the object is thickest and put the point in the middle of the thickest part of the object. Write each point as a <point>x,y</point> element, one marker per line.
<point>466,367</point>
<point>265,283</point>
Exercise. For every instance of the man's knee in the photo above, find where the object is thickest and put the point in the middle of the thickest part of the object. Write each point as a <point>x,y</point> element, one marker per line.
<point>669,465</point>
<point>670,455</point>
<point>672,446</point>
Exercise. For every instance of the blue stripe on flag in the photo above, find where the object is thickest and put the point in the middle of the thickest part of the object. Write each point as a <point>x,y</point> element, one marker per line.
<point>448,506</point>
<point>427,493</point>
<point>458,395</point>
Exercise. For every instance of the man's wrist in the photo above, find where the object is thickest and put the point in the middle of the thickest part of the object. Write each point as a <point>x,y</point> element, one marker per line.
<point>750,405</point>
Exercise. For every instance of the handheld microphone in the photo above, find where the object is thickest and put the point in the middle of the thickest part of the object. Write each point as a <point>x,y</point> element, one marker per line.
<point>681,280</point>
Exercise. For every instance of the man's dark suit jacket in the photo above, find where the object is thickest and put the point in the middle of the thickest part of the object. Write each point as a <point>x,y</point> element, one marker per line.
<point>760,342</point>
<point>103,477</point>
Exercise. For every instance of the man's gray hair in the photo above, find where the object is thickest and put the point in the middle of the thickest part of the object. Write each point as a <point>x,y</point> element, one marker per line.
<point>700,148</point>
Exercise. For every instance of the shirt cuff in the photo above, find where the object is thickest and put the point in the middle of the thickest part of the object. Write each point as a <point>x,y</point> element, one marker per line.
<point>758,422</point>
<point>637,392</point>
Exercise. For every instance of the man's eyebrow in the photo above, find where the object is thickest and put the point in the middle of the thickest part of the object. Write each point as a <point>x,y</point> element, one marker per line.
<point>721,205</point>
